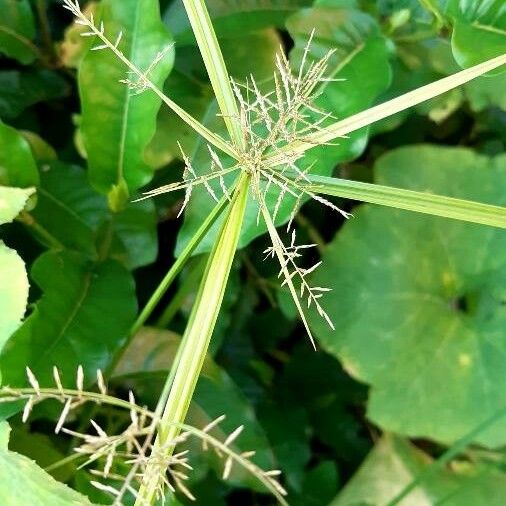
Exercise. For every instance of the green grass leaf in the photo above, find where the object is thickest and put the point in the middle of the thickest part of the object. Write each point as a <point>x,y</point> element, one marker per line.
<point>353,58</point>
<point>17,29</point>
<point>116,124</point>
<point>417,300</point>
<point>422,202</point>
<point>146,363</point>
<point>24,482</point>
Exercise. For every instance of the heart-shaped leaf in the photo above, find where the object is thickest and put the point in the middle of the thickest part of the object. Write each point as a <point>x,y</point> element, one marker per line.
<point>418,301</point>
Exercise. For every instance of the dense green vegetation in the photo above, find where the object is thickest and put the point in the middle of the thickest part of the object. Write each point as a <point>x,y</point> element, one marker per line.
<point>404,399</point>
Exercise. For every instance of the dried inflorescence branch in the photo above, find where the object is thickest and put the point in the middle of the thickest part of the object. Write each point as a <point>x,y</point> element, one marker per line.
<point>133,447</point>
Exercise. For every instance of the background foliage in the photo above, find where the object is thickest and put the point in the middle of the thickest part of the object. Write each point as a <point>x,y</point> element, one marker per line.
<point>418,357</point>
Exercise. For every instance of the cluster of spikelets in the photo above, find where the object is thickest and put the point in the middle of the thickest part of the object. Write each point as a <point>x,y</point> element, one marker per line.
<point>271,123</point>
<point>133,448</point>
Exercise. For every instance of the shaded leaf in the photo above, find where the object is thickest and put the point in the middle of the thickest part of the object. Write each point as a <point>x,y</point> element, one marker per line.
<point>116,124</point>
<point>20,90</point>
<point>479,30</point>
<point>24,482</point>
<point>394,463</point>
<point>231,19</point>
<point>73,213</point>
<point>17,29</point>
<point>419,301</point>
<point>84,314</point>
<point>17,166</point>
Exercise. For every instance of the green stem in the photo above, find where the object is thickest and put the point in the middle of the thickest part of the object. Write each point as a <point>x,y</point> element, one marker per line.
<point>196,338</point>
<point>169,279</point>
<point>186,287</point>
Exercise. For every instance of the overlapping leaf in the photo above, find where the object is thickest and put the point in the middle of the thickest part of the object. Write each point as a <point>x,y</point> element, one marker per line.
<point>84,314</point>
<point>479,30</point>
<point>394,463</point>
<point>13,277</point>
<point>17,29</point>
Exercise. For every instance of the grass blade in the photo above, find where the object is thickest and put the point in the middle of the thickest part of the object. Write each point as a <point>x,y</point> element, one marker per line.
<point>427,203</point>
<point>215,64</point>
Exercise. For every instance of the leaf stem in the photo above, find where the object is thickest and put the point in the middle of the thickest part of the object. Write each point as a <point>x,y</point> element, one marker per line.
<point>197,336</point>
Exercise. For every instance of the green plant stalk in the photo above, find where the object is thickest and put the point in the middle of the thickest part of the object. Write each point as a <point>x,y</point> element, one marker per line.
<point>197,336</point>
<point>215,65</point>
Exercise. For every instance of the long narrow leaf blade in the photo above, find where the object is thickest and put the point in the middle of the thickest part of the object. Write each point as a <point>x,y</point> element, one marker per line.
<point>215,65</point>
<point>427,203</point>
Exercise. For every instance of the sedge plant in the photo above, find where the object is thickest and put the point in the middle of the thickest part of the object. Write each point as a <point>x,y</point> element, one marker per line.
<point>268,134</point>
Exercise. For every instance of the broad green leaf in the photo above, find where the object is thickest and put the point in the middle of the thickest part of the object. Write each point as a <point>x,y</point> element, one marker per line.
<point>116,123</point>
<point>358,44</point>
<point>17,166</point>
<point>146,363</point>
<point>394,463</point>
<point>231,19</point>
<point>487,91</point>
<point>13,278</point>
<point>20,90</point>
<point>479,30</point>
<point>17,29</point>
<point>79,219</point>
<point>24,482</point>
<point>418,300</point>
<point>84,314</point>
